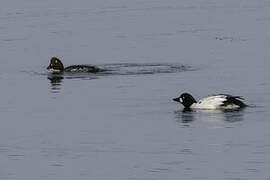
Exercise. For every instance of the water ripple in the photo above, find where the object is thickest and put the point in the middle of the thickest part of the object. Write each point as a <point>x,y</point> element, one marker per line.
<point>144,68</point>
<point>116,69</point>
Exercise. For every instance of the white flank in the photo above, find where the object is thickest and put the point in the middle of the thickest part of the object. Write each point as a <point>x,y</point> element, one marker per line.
<point>212,102</point>
<point>53,70</point>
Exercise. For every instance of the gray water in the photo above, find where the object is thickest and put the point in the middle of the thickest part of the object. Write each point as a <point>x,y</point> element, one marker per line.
<point>124,125</point>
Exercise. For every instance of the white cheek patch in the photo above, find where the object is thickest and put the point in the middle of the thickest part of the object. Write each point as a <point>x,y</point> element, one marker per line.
<point>181,100</point>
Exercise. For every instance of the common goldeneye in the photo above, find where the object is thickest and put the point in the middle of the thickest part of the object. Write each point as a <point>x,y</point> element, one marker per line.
<point>57,66</point>
<point>220,101</point>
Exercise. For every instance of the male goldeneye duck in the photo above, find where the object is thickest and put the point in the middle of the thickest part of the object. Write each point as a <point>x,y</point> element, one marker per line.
<point>57,66</point>
<point>220,101</point>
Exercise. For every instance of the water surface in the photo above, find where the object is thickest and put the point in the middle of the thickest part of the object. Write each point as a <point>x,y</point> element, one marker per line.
<point>123,124</point>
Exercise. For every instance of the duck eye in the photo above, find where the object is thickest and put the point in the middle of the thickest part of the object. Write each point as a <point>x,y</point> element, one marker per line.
<point>56,61</point>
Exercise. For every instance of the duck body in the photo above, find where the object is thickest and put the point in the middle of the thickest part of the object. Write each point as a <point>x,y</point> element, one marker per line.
<point>220,101</point>
<point>57,66</point>
<point>83,68</point>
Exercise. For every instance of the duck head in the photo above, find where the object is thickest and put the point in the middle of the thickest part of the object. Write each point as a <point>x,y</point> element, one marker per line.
<point>56,65</point>
<point>186,99</point>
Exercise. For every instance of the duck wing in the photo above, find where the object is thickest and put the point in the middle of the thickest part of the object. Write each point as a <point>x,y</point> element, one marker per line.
<point>211,102</point>
<point>83,68</point>
<point>234,101</point>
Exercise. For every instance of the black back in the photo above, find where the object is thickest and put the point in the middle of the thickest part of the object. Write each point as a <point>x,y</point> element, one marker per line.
<point>83,68</point>
<point>234,100</point>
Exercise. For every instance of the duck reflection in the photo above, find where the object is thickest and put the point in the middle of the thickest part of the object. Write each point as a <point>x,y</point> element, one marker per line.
<point>56,82</point>
<point>188,115</point>
<point>185,116</point>
<point>234,116</point>
<point>56,79</point>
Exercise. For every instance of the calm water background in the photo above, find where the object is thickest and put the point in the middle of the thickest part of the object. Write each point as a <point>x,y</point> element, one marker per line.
<point>126,127</point>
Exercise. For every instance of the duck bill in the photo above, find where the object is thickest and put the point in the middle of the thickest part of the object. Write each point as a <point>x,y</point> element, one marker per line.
<point>49,67</point>
<point>177,99</point>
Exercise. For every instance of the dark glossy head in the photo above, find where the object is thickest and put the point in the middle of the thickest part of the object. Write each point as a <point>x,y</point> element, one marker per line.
<point>56,65</point>
<point>186,99</point>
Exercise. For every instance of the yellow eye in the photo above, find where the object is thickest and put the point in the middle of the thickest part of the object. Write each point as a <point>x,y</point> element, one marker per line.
<point>56,61</point>
<point>183,97</point>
